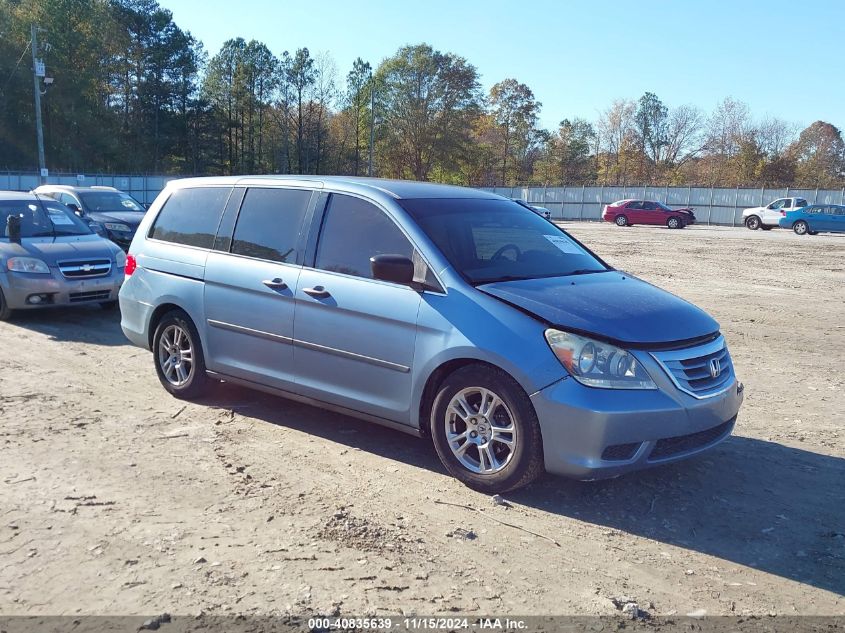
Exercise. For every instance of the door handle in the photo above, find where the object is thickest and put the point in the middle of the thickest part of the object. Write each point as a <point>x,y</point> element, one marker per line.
<point>318,292</point>
<point>275,284</point>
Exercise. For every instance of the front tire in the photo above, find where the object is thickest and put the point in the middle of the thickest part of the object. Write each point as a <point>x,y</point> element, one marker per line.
<point>485,430</point>
<point>752,222</point>
<point>800,227</point>
<point>621,220</point>
<point>674,223</point>
<point>178,357</point>
<point>5,310</point>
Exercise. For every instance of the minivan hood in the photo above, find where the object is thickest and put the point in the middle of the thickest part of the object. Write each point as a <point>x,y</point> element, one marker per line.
<point>132,218</point>
<point>609,305</point>
<point>52,250</point>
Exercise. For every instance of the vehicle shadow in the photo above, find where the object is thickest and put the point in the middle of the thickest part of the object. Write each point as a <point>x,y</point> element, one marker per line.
<point>756,503</point>
<point>85,324</point>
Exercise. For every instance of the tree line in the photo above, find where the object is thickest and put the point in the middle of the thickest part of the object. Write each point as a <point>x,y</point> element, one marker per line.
<point>135,93</point>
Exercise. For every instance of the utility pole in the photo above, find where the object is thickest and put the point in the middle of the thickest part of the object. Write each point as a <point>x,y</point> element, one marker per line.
<point>372,123</point>
<point>38,71</point>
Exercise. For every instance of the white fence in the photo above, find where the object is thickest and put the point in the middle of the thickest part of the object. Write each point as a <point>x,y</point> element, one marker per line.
<point>712,205</point>
<point>142,188</point>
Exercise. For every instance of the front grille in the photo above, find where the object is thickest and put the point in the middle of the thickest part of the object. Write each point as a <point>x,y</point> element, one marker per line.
<point>620,452</point>
<point>94,295</point>
<point>85,268</point>
<point>692,369</point>
<point>671,446</point>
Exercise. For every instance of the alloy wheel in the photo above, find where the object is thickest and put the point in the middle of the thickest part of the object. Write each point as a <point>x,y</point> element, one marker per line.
<point>176,355</point>
<point>480,430</point>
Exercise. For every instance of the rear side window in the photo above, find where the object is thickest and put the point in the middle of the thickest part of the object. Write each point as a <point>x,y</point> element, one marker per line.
<point>355,230</point>
<point>800,202</point>
<point>269,224</point>
<point>191,216</point>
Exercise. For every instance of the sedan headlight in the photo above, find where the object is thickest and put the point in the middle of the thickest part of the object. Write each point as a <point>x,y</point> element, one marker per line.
<point>597,364</point>
<point>115,226</point>
<point>27,265</point>
<point>120,259</point>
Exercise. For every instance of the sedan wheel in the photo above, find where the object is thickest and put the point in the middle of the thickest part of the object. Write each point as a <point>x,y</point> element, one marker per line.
<point>673,223</point>
<point>621,220</point>
<point>800,227</point>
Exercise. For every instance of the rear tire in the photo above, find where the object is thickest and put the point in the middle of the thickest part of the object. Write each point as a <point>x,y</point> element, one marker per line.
<point>177,354</point>
<point>753,222</point>
<point>5,310</point>
<point>801,227</point>
<point>485,430</point>
<point>621,220</point>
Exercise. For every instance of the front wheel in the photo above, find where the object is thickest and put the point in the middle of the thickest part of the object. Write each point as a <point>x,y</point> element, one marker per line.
<point>179,361</point>
<point>621,220</point>
<point>752,222</point>
<point>674,223</point>
<point>485,430</point>
<point>800,227</point>
<point>5,310</point>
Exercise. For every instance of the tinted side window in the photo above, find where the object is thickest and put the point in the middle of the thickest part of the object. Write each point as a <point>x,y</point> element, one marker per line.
<point>191,216</point>
<point>269,224</point>
<point>353,231</point>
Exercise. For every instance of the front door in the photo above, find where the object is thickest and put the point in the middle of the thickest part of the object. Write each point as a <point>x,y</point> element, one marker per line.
<point>250,285</point>
<point>355,335</point>
<point>774,212</point>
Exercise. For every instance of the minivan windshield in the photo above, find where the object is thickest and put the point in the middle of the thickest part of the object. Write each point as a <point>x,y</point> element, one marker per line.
<point>489,240</point>
<point>104,201</point>
<point>41,219</point>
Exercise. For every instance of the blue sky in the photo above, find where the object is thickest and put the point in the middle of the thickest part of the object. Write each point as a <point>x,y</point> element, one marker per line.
<point>784,59</point>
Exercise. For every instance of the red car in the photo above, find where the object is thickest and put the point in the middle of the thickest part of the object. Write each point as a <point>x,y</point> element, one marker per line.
<point>630,212</point>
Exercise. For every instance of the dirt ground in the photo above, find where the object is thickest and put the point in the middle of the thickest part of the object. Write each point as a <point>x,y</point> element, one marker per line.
<point>117,499</point>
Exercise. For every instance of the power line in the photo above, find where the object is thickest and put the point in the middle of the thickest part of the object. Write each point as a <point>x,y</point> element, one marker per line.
<point>15,69</point>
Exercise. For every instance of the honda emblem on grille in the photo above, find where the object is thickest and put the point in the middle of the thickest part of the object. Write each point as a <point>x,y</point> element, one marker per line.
<point>715,368</point>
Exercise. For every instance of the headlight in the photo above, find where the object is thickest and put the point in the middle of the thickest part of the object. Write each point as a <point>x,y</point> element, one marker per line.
<point>27,265</point>
<point>597,364</point>
<point>120,259</point>
<point>114,226</point>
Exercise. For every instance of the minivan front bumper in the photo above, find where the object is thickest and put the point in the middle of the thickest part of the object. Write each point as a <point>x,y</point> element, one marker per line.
<point>593,433</point>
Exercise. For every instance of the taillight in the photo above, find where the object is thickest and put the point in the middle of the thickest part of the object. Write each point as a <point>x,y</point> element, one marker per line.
<point>131,265</point>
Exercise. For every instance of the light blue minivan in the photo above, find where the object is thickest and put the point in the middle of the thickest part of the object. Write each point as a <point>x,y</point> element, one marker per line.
<point>441,311</point>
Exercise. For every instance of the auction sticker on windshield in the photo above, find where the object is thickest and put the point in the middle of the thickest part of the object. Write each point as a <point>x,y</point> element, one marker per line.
<point>563,244</point>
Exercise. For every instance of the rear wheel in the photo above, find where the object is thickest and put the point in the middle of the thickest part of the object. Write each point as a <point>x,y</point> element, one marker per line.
<point>5,310</point>
<point>674,223</point>
<point>621,220</point>
<point>485,430</point>
<point>752,222</point>
<point>800,227</point>
<point>179,362</point>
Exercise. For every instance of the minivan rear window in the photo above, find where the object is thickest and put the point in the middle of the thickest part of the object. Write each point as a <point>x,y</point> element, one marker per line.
<point>190,216</point>
<point>269,224</point>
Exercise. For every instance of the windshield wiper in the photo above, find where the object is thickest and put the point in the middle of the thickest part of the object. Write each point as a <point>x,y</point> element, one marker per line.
<point>492,280</point>
<point>586,271</point>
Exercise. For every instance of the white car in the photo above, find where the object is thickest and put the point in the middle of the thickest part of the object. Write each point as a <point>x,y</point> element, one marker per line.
<point>768,217</point>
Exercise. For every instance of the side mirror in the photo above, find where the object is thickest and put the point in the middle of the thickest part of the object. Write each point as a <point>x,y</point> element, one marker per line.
<point>396,268</point>
<point>13,228</point>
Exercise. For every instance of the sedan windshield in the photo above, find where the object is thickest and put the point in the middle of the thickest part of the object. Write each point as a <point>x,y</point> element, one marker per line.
<point>49,219</point>
<point>489,240</point>
<point>100,201</point>
<point>663,206</point>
